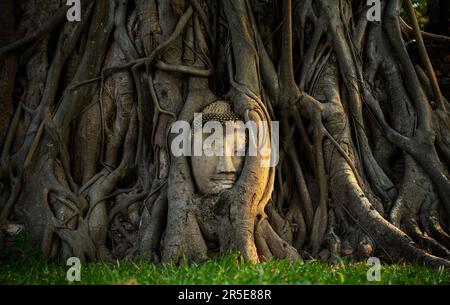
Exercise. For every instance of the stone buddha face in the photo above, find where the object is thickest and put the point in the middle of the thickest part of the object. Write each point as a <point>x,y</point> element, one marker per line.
<point>220,164</point>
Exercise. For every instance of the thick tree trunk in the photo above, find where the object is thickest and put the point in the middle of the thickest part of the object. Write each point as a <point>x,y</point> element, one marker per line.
<point>87,109</point>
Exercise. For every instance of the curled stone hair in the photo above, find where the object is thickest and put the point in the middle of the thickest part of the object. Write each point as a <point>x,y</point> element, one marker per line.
<point>219,111</point>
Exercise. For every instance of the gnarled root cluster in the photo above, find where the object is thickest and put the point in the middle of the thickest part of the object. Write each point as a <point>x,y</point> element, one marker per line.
<point>364,131</point>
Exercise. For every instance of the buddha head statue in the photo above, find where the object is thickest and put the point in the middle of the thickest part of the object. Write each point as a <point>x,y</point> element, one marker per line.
<point>223,143</point>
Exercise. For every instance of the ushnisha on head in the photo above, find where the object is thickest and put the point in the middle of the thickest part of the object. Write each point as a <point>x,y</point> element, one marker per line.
<point>218,169</point>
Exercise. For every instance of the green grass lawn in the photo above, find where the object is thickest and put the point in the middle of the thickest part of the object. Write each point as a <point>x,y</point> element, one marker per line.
<point>227,269</point>
<point>20,264</point>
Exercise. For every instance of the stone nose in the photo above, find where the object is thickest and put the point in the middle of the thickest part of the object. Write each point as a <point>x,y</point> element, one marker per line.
<point>225,164</point>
